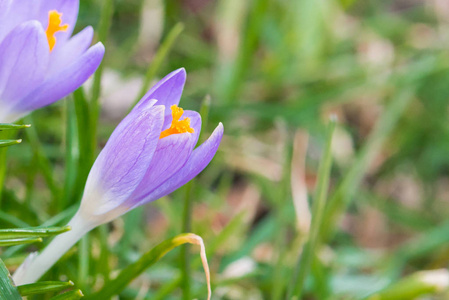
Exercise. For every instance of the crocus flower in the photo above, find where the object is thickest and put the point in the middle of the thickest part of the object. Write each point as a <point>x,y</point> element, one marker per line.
<point>149,155</point>
<point>40,62</point>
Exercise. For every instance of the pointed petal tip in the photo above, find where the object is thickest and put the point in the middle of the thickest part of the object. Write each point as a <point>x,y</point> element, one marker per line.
<point>181,70</point>
<point>88,30</point>
<point>95,55</point>
<point>98,47</point>
<point>168,90</point>
<point>219,130</point>
<point>177,74</point>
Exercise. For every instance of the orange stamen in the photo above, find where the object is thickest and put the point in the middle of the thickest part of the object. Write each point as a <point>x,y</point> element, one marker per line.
<point>54,25</point>
<point>176,125</point>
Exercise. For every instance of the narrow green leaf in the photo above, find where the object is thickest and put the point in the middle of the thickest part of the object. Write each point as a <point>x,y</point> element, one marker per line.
<point>3,136</point>
<point>72,153</point>
<point>414,286</point>
<point>86,150</point>
<point>222,238</point>
<point>318,207</point>
<point>7,289</point>
<point>13,242</point>
<point>45,165</point>
<point>63,217</point>
<point>232,84</point>
<point>6,126</point>
<point>350,183</point>
<point>12,220</point>
<point>83,261</point>
<point>161,54</point>
<point>103,29</point>
<point>185,251</point>
<point>133,270</point>
<point>6,143</point>
<point>43,287</point>
<point>94,108</point>
<point>72,295</point>
<point>17,233</point>
<point>204,112</point>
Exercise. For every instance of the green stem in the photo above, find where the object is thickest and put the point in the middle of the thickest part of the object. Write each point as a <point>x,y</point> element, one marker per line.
<point>4,135</point>
<point>83,266</point>
<point>349,185</point>
<point>43,161</point>
<point>156,63</point>
<point>306,258</point>
<point>133,270</point>
<point>103,29</point>
<point>71,155</point>
<point>94,113</point>
<point>185,251</point>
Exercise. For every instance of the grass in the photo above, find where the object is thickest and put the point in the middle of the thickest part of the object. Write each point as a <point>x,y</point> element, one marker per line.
<point>268,68</point>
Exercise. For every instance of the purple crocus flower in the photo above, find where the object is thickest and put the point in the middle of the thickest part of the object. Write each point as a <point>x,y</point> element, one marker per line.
<point>149,155</point>
<point>40,62</point>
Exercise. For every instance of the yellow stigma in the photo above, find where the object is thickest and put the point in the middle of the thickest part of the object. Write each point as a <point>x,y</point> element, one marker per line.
<point>54,25</point>
<point>176,125</point>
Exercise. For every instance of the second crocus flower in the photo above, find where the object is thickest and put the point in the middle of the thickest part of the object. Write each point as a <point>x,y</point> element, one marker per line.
<point>40,62</point>
<point>149,155</point>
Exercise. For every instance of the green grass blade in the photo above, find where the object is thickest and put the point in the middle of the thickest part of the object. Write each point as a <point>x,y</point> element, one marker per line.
<point>6,126</point>
<point>161,54</point>
<point>204,112</point>
<point>221,239</point>
<point>6,143</point>
<point>349,185</point>
<point>17,233</point>
<point>43,287</point>
<point>318,207</point>
<point>187,210</point>
<point>13,242</point>
<point>103,29</point>
<point>185,251</point>
<point>83,260</point>
<point>133,270</point>
<point>71,155</point>
<point>45,165</point>
<point>413,286</point>
<point>86,150</point>
<point>3,135</point>
<point>7,289</point>
<point>73,295</point>
<point>94,111</point>
<point>231,85</point>
<point>12,220</point>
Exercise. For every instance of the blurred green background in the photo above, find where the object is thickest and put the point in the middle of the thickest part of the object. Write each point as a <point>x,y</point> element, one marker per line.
<point>275,71</point>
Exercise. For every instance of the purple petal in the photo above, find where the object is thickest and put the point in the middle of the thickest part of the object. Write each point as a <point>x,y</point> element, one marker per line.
<point>195,123</point>
<point>124,160</point>
<point>24,59</point>
<point>199,159</point>
<point>167,91</point>
<point>66,81</point>
<point>15,12</point>
<point>62,57</point>
<point>171,154</point>
<point>19,11</point>
<point>69,10</point>
<point>4,9</point>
